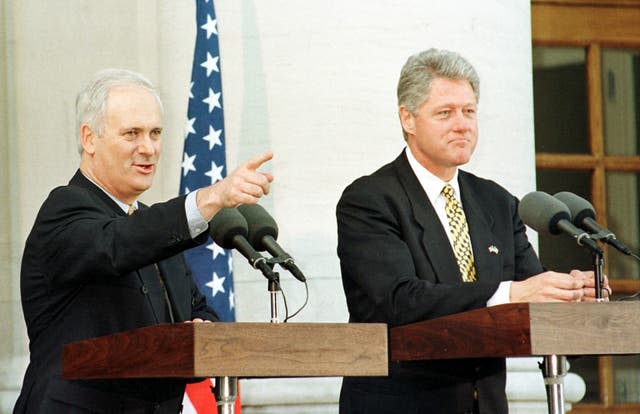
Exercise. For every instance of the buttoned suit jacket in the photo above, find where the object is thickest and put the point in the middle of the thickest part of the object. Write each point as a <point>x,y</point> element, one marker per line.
<point>398,267</point>
<point>88,269</point>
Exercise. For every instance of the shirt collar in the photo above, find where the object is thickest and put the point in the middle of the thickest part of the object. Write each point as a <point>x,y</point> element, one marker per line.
<point>124,206</point>
<point>431,184</point>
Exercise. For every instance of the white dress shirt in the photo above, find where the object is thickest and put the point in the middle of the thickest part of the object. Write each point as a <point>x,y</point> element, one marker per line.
<point>432,186</point>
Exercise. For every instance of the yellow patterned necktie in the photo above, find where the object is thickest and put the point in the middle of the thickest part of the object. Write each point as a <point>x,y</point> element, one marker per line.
<point>132,209</point>
<point>460,235</point>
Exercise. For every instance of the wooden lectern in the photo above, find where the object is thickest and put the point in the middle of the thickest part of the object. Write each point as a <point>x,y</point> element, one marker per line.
<point>195,350</point>
<point>230,350</point>
<point>550,330</point>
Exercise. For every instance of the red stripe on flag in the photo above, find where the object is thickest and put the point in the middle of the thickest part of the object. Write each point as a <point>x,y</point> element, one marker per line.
<point>201,396</point>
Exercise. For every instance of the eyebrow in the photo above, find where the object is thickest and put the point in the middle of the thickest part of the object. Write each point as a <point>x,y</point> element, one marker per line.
<point>453,105</point>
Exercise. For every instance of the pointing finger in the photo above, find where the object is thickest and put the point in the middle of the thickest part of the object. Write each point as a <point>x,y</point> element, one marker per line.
<point>255,162</point>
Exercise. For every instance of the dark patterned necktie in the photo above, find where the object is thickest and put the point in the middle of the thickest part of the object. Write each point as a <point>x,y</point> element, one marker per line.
<point>460,235</point>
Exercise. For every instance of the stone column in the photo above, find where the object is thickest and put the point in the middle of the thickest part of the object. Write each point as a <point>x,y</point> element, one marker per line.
<point>13,348</point>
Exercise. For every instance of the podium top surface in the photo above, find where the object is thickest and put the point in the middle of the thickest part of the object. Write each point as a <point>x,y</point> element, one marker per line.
<point>192,350</point>
<point>523,329</point>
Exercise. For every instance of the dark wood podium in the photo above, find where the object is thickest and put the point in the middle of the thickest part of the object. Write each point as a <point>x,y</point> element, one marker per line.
<point>523,329</point>
<point>550,330</point>
<point>227,351</point>
<point>197,350</point>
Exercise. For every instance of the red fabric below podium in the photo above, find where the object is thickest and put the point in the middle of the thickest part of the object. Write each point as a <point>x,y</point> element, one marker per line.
<point>199,399</point>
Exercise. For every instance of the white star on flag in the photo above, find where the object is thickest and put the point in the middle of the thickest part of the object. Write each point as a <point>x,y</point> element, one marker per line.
<point>188,129</point>
<point>210,26</point>
<point>211,64</point>
<point>232,299</point>
<point>213,100</point>
<point>213,138</point>
<point>216,250</point>
<point>216,284</point>
<point>187,164</point>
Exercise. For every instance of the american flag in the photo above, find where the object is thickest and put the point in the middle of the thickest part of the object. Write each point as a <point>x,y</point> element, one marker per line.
<point>203,164</point>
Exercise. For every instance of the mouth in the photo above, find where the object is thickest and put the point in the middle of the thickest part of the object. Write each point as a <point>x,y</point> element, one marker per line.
<point>144,168</point>
<point>459,141</point>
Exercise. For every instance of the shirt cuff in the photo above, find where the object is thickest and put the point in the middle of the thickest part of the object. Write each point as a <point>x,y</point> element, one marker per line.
<point>501,296</point>
<point>197,224</point>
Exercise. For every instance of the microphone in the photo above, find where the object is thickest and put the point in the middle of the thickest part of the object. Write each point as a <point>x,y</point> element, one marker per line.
<point>229,230</point>
<point>263,232</point>
<point>546,214</point>
<point>584,216</point>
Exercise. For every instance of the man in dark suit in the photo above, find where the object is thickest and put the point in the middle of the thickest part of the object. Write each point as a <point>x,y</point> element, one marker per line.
<point>92,268</point>
<point>408,252</point>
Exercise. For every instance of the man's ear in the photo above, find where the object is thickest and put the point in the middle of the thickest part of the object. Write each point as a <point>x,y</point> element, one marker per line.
<point>407,119</point>
<point>87,137</point>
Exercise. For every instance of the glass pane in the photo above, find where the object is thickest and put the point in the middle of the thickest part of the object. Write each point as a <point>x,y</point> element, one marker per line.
<point>560,100</point>
<point>623,219</point>
<point>626,378</point>
<point>561,253</point>
<point>621,101</point>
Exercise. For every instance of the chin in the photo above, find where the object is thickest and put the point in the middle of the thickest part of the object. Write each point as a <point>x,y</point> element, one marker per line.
<point>462,159</point>
<point>143,185</point>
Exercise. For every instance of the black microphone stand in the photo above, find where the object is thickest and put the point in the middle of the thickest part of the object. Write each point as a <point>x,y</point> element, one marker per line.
<point>598,263</point>
<point>226,388</point>
<point>554,367</point>
<point>273,288</point>
<point>598,270</point>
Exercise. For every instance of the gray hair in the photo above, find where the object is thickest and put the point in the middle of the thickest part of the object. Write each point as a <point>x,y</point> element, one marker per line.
<point>91,102</point>
<point>420,70</point>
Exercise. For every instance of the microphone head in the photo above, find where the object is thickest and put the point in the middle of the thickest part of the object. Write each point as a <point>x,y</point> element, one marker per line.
<point>227,224</point>
<point>579,207</point>
<point>542,212</point>
<point>260,223</point>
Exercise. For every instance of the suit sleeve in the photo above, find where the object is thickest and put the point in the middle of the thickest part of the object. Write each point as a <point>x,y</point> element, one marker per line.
<point>80,238</point>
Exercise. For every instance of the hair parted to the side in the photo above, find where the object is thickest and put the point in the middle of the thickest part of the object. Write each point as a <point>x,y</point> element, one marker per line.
<point>420,70</point>
<point>91,102</point>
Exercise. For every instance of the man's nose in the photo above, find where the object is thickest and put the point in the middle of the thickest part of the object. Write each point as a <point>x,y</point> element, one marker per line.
<point>146,146</point>
<point>461,122</point>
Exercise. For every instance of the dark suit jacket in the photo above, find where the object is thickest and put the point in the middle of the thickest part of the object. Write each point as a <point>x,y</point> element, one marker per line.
<point>88,269</point>
<point>398,267</point>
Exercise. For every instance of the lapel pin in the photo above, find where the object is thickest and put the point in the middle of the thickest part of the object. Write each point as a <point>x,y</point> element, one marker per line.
<point>493,249</point>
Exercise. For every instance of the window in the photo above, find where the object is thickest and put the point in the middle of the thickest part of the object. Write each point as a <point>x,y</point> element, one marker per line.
<point>586,75</point>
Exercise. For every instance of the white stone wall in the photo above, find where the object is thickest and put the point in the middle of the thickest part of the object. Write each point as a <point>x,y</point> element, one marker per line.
<point>312,80</point>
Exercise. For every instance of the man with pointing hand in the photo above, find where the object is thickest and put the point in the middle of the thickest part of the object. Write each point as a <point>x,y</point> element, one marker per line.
<point>97,261</point>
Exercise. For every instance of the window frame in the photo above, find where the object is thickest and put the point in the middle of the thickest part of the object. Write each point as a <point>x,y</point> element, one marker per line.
<point>592,25</point>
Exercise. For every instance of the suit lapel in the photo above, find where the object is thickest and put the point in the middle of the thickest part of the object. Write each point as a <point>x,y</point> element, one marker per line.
<point>434,238</point>
<point>148,274</point>
<point>80,180</point>
<point>486,246</point>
